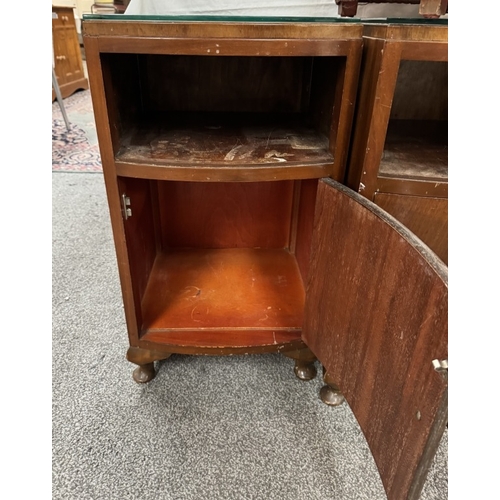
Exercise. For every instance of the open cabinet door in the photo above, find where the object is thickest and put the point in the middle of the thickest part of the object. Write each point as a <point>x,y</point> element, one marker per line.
<point>376,317</point>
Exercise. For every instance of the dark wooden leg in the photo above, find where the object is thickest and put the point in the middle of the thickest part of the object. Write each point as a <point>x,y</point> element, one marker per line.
<point>304,363</point>
<point>347,8</point>
<point>330,393</point>
<point>145,359</point>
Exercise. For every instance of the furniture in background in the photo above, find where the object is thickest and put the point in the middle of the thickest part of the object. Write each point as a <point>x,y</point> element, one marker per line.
<point>399,151</point>
<point>221,145</point>
<point>427,8</point>
<point>68,64</point>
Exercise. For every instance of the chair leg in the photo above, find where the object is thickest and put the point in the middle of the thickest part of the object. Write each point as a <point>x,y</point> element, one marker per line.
<point>59,98</point>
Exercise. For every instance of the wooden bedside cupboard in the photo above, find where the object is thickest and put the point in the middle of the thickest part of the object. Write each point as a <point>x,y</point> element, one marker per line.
<point>223,142</point>
<point>399,151</point>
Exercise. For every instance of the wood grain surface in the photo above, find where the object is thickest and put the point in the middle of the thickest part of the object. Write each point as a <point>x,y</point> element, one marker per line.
<point>376,317</point>
<point>218,289</point>
<point>425,216</point>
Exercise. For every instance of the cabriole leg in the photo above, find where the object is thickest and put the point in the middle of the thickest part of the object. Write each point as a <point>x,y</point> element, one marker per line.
<point>145,359</point>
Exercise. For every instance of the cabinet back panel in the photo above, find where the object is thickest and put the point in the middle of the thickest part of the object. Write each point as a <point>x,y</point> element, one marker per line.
<point>203,83</point>
<point>225,214</point>
<point>421,91</point>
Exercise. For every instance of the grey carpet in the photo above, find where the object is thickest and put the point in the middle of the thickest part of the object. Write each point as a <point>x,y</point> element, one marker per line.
<point>209,428</point>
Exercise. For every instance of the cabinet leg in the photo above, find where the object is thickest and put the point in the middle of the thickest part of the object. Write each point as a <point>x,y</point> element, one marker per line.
<point>144,373</point>
<point>304,363</point>
<point>145,359</point>
<point>330,393</point>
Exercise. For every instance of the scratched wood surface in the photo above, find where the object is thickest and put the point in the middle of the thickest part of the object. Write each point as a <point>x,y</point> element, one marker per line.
<point>296,85</point>
<point>416,149</point>
<point>232,30</point>
<point>214,140</point>
<point>226,113</point>
<point>204,289</point>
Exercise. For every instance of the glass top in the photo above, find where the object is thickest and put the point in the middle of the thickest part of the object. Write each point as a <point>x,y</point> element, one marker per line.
<point>259,19</point>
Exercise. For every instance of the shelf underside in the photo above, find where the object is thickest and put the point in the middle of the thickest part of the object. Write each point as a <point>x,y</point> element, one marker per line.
<point>416,150</point>
<point>222,143</point>
<point>223,298</point>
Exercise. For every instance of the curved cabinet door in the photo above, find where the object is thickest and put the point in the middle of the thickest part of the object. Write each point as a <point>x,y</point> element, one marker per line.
<point>377,319</point>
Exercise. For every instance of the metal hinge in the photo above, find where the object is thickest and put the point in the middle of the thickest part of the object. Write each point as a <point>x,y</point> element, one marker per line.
<point>441,366</point>
<point>127,211</point>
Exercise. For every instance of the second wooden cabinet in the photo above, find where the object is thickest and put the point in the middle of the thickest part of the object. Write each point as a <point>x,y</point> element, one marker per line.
<point>399,151</point>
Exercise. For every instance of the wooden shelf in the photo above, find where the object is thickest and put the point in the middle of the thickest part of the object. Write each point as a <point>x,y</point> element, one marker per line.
<point>416,150</point>
<point>223,297</point>
<point>224,147</point>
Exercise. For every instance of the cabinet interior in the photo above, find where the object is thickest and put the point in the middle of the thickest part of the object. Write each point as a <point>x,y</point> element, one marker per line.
<point>219,263</point>
<point>416,144</point>
<point>175,110</point>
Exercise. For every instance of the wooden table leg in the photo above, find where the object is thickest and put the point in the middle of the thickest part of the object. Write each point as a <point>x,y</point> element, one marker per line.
<point>304,363</point>
<point>330,393</point>
<point>145,359</point>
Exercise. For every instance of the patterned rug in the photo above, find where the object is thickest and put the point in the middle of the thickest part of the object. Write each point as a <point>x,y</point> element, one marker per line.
<point>75,150</point>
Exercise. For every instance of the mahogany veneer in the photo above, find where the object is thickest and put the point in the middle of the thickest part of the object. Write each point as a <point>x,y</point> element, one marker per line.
<point>399,151</point>
<point>220,142</point>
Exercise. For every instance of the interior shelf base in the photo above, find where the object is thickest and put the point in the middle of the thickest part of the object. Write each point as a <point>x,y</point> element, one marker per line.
<point>224,298</point>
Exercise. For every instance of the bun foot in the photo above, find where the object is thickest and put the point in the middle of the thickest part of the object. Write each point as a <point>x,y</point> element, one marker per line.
<point>144,373</point>
<point>304,368</point>
<point>305,371</point>
<point>331,397</point>
<point>145,359</point>
<point>330,393</point>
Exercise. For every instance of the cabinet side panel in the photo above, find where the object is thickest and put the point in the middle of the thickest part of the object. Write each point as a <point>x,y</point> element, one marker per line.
<point>305,225</point>
<point>113,190</point>
<point>140,236</point>
<point>378,79</point>
<point>226,214</point>
<point>121,77</point>
<point>325,75</point>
